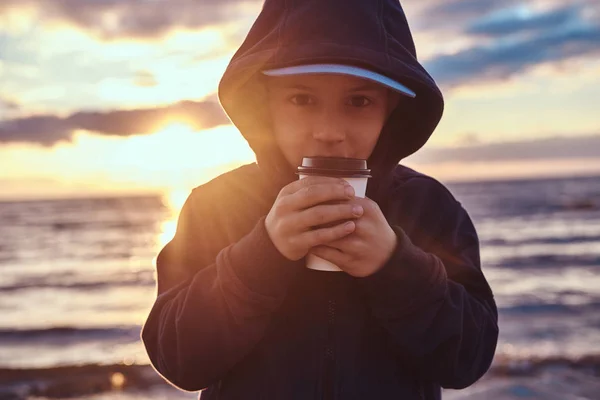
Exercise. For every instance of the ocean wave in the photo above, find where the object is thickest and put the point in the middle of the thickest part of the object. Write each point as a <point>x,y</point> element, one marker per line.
<point>67,333</point>
<point>579,204</point>
<point>73,381</point>
<point>550,308</point>
<point>513,365</point>
<point>541,241</point>
<point>548,261</point>
<point>516,206</point>
<point>83,224</point>
<point>81,380</point>
<point>141,278</point>
<point>99,225</point>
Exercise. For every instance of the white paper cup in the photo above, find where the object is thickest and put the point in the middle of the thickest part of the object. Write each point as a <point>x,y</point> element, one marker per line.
<point>314,262</point>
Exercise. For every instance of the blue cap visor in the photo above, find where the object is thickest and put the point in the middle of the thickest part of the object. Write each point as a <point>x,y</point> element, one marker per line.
<point>343,70</point>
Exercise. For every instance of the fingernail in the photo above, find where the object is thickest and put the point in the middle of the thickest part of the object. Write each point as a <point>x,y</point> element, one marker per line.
<point>357,210</point>
<point>349,191</point>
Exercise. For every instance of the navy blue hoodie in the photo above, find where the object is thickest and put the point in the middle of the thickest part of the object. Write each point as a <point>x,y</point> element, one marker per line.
<point>235,317</point>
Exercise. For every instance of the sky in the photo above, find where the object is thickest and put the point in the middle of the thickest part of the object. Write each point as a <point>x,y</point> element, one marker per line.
<point>119,96</point>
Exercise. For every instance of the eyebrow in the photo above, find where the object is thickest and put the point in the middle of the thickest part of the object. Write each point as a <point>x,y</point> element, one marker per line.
<point>298,87</point>
<point>366,86</point>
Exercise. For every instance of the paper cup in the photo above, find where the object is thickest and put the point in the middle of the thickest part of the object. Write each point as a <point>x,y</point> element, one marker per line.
<point>315,262</point>
<point>359,183</point>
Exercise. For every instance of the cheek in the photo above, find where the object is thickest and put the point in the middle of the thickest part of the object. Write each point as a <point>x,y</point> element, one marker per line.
<point>288,127</point>
<point>365,133</point>
<point>285,119</point>
<point>287,134</point>
<point>291,136</point>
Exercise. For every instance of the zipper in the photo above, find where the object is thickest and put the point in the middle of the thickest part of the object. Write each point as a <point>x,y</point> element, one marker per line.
<point>420,385</point>
<point>329,352</point>
<point>219,389</point>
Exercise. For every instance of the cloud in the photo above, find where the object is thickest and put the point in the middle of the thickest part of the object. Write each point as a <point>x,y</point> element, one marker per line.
<point>144,79</point>
<point>515,20</point>
<point>45,130</point>
<point>455,13</point>
<point>112,19</point>
<point>461,15</point>
<point>8,105</point>
<point>505,58</point>
<point>48,130</point>
<point>497,39</point>
<point>553,148</point>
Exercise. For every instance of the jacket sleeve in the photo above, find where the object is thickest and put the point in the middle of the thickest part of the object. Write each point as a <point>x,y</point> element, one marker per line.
<point>211,309</point>
<point>436,303</point>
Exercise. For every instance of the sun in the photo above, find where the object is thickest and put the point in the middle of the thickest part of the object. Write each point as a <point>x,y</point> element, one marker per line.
<point>175,199</point>
<point>178,147</point>
<point>167,232</point>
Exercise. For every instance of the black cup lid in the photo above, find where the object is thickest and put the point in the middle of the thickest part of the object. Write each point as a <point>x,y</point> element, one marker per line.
<point>335,166</point>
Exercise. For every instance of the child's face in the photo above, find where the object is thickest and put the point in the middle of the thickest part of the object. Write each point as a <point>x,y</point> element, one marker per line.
<point>327,115</point>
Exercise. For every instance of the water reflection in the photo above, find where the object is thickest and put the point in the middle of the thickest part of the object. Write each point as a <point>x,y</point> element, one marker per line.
<point>167,231</point>
<point>173,201</point>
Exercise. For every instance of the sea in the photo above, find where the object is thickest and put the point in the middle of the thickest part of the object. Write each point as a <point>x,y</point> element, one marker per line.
<point>77,282</point>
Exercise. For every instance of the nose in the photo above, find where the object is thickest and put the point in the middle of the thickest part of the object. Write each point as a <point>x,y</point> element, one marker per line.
<point>328,129</point>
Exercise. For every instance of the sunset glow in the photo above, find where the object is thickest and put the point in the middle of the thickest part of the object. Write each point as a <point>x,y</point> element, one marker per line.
<point>98,105</point>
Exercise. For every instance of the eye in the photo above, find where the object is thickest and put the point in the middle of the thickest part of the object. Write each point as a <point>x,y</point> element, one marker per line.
<point>302,100</point>
<point>358,101</point>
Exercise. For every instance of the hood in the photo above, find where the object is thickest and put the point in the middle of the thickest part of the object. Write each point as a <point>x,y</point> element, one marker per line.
<point>372,34</point>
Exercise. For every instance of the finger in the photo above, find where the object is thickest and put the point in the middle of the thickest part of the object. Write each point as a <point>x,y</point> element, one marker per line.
<point>330,254</point>
<point>319,193</point>
<point>367,204</point>
<point>320,216</point>
<point>349,244</point>
<point>308,181</point>
<point>321,236</point>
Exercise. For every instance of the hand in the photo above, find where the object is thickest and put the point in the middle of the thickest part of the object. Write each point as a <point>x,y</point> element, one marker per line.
<point>299,221</point>
<point>367,249</point>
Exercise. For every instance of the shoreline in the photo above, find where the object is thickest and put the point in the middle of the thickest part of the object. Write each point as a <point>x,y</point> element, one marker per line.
<point>83,381</point>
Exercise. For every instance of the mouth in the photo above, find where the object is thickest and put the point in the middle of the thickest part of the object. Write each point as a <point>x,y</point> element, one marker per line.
<point>323,155</point>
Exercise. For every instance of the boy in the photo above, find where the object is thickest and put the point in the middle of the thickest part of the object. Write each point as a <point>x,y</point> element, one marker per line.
<point>238,313</point>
